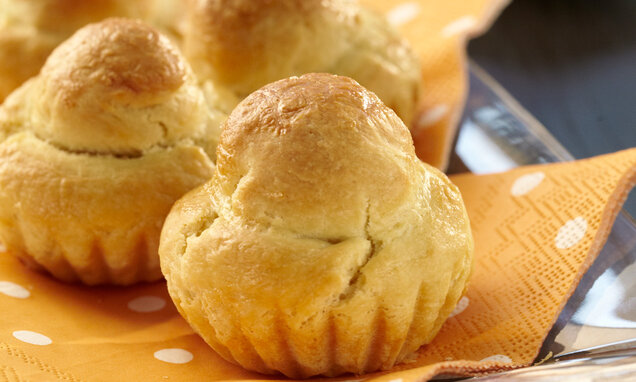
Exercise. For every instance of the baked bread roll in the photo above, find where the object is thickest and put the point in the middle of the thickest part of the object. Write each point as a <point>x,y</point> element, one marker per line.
<point>244,44</point>
<point>31,29</point>
<point>322,245</point>
<point>95,150</point>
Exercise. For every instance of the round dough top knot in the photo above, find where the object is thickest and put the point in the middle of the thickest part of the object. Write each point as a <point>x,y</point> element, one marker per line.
<point>115,87</point>
<point>315,154</point>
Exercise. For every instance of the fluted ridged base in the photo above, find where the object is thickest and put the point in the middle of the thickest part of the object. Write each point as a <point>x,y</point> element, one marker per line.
<point>335,351</point>
<point>97,266</point>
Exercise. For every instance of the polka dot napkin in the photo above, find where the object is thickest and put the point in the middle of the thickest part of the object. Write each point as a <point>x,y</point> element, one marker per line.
<point>537,229</point>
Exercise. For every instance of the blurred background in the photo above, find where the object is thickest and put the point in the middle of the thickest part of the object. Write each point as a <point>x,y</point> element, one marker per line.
<point>572,64</point>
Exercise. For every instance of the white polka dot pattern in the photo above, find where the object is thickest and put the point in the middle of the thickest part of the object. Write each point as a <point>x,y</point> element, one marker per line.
<point>174,355</point>
<point>432,115</point>
<point>403,13</point>
<point>497,358</point>
<point>526,183</point>
<point>459,26</point>
<point>462,304</point>
<point>146,304</point>
<point>13,290</point>
<point>571,233</point>
<point>32,338</point>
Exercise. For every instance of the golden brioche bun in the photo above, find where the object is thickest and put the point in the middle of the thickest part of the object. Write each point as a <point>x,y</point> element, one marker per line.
<point>322,245</point>
<point>95,150</point>
<point>244,44</point>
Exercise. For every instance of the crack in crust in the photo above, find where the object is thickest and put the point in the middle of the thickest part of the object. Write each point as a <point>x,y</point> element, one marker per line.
<point>358,272</point>
<point>136,154</point>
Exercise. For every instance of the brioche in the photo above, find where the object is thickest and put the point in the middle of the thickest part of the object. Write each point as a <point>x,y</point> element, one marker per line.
<point>31,29</point>
<point>321,245</point>
<point>244,44</point>
<point>95,150</point>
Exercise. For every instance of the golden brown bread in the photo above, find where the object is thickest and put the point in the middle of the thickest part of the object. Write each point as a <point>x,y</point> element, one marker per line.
<point>244,44</point>
<point>31,29</point>
<point>322,245</point>
<point>95,150</point>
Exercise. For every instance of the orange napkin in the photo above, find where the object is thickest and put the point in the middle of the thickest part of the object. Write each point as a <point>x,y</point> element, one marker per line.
<point>537,229</point>
<point>438,31</point>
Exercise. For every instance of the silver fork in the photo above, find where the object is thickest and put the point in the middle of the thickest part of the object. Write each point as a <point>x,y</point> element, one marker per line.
<point>613,362</point>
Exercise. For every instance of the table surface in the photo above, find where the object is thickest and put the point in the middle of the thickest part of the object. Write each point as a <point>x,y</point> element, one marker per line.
<point>572,64</point>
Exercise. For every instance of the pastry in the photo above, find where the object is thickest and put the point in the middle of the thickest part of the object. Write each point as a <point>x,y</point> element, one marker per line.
<point>95,150</point>
<point>244,44</point>
<point>321,245</point>
<point>31,29</point>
